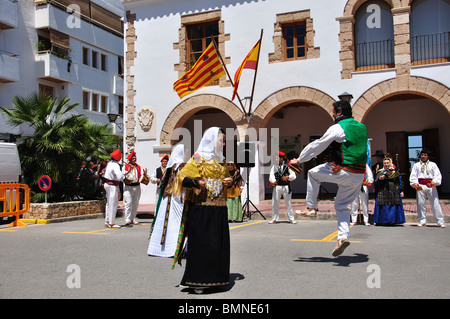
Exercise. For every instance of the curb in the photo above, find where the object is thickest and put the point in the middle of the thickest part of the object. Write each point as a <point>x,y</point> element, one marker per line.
<point>62,219</point>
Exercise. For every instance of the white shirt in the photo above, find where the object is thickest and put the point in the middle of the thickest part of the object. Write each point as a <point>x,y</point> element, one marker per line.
<point>113,172</point>
<point>334,133</point>
<point>434,173</point>
<point>134,173</point>
<point>274,169</point>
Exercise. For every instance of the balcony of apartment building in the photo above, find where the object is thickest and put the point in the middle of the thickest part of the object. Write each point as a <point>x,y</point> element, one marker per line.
<point>9,61</point>
<point>77,17</point>
<point>118,85</point>
<point>53,62</point>
<point>9,67</point>
<point>9,14</point>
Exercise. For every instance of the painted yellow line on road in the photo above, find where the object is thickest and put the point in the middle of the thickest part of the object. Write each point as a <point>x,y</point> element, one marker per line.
<point>329,238</point>
<point>95,232</point>
<point>99,231</point>
<point>258,222</point>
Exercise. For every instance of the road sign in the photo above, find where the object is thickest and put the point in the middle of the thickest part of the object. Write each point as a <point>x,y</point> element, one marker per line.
<point>44,183</point>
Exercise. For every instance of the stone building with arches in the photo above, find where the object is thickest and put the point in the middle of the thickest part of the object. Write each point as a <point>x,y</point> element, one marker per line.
<point>391,55</point>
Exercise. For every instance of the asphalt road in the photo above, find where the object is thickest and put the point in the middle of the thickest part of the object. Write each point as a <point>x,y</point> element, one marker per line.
<point>82,259</point>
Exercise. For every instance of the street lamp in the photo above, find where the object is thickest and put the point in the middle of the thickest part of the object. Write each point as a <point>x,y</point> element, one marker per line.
<point>345,97</point>
<point>112,119</point>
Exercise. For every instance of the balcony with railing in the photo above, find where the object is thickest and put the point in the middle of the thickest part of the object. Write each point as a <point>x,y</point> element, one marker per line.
<point>9,14</point>
<point>9,67</point>
<point>430,48</point>
<point>375,55</point>
<point>54,64</point>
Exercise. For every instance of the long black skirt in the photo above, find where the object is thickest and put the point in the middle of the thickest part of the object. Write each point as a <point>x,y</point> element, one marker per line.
<point>208,247</point>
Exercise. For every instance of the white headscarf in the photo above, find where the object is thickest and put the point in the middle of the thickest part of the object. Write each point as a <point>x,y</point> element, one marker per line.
<point>207,147</point>
<point>177,155</point>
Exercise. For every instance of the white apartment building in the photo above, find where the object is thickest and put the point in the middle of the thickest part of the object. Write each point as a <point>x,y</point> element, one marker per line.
<point>392,56</point>
<point>65,48</point>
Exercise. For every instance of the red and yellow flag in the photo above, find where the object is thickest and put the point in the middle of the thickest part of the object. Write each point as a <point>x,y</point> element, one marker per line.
<point>249,62</point>
<point>206,69</point>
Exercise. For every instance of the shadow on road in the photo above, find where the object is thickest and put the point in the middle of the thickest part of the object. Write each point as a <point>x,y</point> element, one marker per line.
<point>344,261</point>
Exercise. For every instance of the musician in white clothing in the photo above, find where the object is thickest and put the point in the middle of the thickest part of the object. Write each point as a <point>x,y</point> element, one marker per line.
<point>133,173</point>
<point>113,176</point>
<point>425,176</point>
<point>280,177</point>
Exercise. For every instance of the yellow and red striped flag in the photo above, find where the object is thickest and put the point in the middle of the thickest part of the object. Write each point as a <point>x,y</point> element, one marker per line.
<point>206,69</point>
<point>249,62</point>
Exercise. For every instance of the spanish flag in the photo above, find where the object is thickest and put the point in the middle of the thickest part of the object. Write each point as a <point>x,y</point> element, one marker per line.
<point>249,62</point>
<point>206,69</point>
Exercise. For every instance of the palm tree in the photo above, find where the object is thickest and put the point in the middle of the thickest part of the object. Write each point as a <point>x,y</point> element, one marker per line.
<point>61,141</point>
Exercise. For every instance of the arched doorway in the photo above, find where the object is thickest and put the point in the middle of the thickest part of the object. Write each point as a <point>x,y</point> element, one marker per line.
<point>300,114</point>
<point>424,124</point>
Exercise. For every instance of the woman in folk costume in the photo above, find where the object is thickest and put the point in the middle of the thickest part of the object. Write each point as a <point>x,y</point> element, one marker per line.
<point>165,229</point>
<point>113,177</point>
<point>388,189</point>
<point>206,220</point>
<point>132,190</point>
<point>234,194</point>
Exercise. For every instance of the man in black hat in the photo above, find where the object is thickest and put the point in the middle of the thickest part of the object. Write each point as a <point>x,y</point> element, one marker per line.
<point>379,155</point>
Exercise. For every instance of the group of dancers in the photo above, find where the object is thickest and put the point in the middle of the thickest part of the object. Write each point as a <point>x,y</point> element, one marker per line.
<point>192,216</point>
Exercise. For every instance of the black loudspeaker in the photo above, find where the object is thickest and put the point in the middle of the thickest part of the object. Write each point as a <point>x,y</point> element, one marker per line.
<point>246,154</point>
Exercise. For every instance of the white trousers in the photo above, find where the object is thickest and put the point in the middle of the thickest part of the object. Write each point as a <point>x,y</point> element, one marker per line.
<point>363,199</point>
<point>112,200</point>
<point>131,196</point>
<point>277,192</point>
<point>349,185</point>
<point>432,195</point>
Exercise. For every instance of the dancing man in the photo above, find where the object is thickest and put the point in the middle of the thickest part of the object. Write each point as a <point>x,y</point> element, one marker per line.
<point>347,142</point>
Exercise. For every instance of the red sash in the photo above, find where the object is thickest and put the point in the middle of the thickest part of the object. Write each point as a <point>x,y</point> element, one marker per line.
<point>425,181</point>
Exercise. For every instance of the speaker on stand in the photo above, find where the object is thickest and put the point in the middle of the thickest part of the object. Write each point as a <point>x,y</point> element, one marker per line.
<point>246,158</point>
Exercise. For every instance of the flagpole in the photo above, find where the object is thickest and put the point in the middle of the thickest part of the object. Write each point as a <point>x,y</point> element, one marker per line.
<point>254,78</point>
<point>226,70</point>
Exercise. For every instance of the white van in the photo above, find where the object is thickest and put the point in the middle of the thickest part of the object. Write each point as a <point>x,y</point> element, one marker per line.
<point>10,171</point>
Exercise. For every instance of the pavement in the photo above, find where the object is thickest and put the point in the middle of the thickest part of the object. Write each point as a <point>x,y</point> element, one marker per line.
<point>326,210</point>
<point>283,265</point>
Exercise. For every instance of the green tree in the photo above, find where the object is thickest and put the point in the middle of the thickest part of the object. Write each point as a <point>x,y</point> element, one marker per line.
<point>61,141</point>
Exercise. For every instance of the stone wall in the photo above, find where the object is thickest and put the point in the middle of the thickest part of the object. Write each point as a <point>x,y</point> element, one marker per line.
<point>65,209</point>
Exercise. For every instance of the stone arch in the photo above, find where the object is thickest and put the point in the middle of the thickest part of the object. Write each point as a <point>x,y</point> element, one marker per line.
<point>353,5</point>
<point>283,97</point>
<point>400,13</point>
<point>183,111</point>
<point>416,85</point>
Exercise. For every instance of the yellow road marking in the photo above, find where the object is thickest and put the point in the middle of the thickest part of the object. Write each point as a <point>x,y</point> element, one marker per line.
<point>95,232</point>
<point>258,222</point>
<point>329,238</point>
<point>98,231</point>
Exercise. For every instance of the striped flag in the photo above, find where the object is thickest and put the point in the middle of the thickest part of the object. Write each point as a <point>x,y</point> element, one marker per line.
<point>249,62</point>
<point>206,69</point>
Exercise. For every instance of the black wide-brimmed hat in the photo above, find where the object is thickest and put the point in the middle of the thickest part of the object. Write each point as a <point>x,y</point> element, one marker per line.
<point>378,153</point>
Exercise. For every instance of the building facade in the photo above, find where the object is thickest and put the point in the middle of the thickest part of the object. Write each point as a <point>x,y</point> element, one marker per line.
<point>392,56</point>
<point>64,48</point>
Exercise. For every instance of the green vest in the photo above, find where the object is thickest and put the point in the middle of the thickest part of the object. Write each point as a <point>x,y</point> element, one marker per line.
<point>354,149</point>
